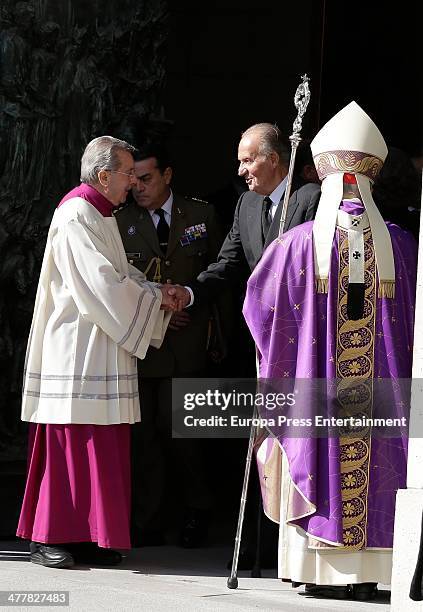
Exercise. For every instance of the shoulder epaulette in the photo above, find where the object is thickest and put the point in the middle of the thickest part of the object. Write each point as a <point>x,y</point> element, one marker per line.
<point>121,207</point>
<point>196,199</point>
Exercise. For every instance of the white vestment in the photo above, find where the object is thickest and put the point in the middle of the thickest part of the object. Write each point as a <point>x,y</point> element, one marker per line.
<point>297,560</point>
<point>94,315</point>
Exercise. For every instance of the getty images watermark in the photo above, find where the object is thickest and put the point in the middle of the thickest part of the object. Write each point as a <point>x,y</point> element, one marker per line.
<point>210,408</point>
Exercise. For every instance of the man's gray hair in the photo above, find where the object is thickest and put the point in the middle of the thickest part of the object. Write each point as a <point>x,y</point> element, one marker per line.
<point>271,140</point>
<point>101,154</point>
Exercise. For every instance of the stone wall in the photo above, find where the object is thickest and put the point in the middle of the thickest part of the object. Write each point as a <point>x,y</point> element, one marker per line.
<point>70,71</point>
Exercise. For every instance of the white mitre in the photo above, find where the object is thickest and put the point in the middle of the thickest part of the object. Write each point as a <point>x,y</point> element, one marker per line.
<point>350,143</point>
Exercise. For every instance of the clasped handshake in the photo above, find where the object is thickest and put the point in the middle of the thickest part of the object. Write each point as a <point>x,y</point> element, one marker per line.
<point>174,297</point>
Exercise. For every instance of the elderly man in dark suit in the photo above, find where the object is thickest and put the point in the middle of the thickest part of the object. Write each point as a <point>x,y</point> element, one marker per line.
<point>263,155</point>
<point>171,239</point>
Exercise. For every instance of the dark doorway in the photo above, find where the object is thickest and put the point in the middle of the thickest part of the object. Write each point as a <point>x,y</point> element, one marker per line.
<point>372,55</point>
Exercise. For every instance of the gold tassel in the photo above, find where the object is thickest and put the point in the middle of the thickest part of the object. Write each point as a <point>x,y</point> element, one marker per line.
<point>322,285</point>
<point>386,289</point>
<point>157,276</point>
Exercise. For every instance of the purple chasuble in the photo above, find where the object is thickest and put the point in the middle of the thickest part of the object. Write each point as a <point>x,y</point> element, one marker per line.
<point>345,488</point>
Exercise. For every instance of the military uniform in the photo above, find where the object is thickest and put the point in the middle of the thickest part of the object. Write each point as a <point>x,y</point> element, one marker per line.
<point>183,351</point>
<point>194,242</point>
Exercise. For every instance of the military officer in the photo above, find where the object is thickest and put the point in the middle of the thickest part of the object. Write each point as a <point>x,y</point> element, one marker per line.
<point>171,239</point>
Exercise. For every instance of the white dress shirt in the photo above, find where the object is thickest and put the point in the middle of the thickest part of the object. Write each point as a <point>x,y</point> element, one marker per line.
<point>276,196</point>
<point>167,208</point>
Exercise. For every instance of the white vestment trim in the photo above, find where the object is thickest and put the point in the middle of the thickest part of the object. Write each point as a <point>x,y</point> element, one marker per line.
<point>324,230</point>
<point>300,563</point>
<point>94,315</point>
<point>355,225</point>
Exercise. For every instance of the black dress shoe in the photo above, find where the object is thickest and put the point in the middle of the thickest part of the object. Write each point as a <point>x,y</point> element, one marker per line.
<point>364,591</point>
<point>50,556</point>
<point>194,531</point>
<point>330,592</point>
<point>88,553</point>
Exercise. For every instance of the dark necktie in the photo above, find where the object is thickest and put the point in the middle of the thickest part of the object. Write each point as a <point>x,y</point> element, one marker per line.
<point>266,217</point>
<point>162,229</point>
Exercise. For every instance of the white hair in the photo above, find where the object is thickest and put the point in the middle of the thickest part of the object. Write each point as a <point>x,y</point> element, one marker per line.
<point>100,154</point>
<point>271,139</point>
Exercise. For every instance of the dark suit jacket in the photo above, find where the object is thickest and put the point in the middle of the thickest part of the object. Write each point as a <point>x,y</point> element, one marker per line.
<point>182,351</point>
<point>244,246</point>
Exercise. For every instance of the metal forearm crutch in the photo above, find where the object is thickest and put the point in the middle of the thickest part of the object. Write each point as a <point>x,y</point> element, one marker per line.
<point>233,580</point>
<point>301,100</point>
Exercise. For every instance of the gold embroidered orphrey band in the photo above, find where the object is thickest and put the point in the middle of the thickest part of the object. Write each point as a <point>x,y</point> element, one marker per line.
<point>354,162</point>
<point>355,366</point>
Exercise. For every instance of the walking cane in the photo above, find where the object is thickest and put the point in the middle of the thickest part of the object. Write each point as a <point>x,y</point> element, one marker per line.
<point>233,580</point>
<point>301,100</point>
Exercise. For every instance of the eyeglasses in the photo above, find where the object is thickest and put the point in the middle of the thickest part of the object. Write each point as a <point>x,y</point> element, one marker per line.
<point>131,174</point>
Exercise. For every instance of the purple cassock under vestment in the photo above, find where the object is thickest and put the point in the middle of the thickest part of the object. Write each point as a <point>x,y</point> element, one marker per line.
<point>344,487</point>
